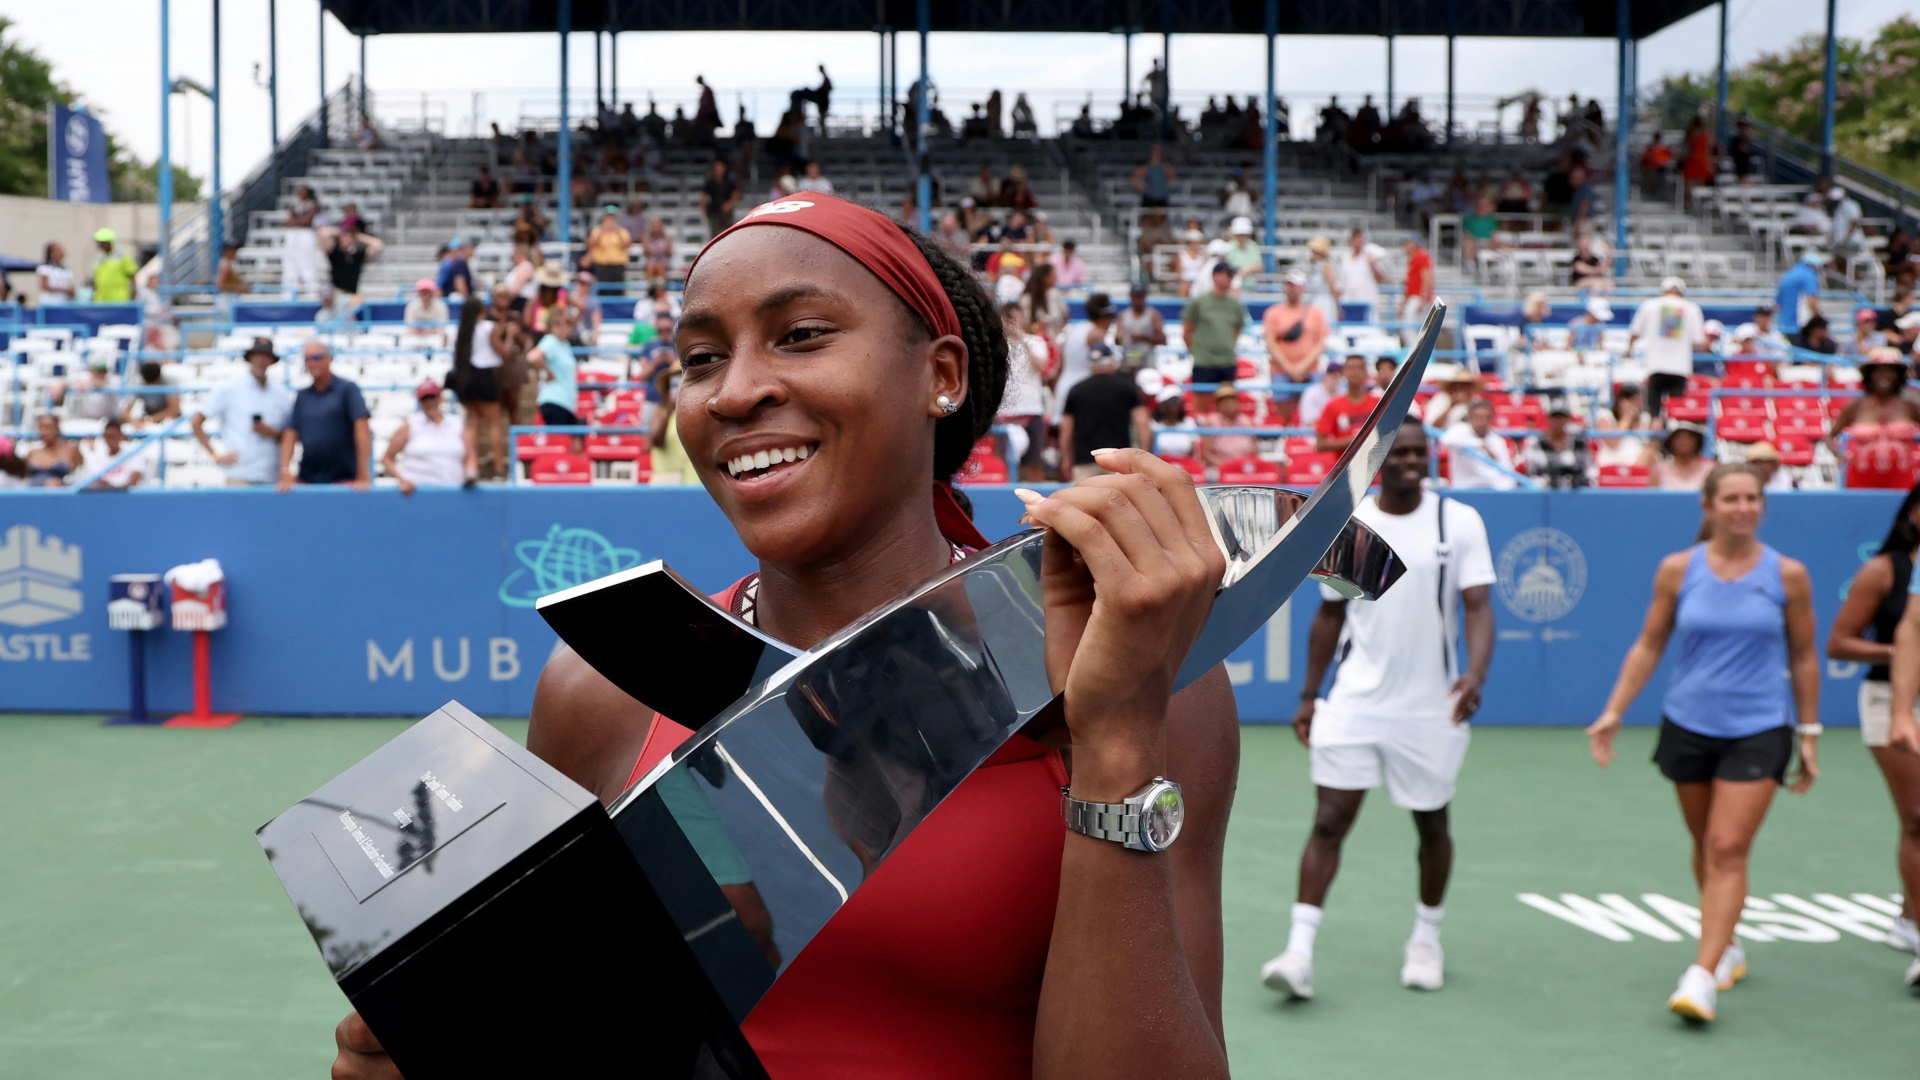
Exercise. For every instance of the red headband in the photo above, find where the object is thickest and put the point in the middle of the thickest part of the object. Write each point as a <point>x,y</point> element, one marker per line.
<point>869,237</point>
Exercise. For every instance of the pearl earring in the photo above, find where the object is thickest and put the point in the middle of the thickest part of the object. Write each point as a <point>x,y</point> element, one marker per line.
<point>946,404</point>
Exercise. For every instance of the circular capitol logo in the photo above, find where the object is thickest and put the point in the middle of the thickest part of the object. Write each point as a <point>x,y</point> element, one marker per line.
<point>790,206</point>
<point>1542,574</point>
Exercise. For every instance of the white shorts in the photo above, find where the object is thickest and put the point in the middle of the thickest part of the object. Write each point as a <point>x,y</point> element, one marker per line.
<point>1876,712</point>
<point>1418,759</point>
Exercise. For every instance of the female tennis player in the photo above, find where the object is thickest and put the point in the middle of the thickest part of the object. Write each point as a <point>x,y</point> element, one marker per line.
<point>839,369</point>
<point>1876,601</point>
<point>1744,616</point>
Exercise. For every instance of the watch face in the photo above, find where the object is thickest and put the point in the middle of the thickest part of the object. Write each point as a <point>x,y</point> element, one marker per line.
<point>1162,816</point>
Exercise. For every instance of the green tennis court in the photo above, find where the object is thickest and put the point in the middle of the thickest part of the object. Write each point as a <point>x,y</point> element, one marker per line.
<point>142,934</point>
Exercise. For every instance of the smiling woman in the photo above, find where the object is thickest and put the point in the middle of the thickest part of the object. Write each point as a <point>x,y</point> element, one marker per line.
<point>838,371</point>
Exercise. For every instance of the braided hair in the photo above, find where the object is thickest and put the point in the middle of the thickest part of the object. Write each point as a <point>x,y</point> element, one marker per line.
<point>986,340</point>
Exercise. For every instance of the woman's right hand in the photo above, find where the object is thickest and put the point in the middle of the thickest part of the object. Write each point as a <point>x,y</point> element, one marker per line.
<point>1600,735</point>
<point>361,1057</point>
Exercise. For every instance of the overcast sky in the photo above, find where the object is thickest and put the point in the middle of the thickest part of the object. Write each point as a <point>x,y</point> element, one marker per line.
<point>454,79</point>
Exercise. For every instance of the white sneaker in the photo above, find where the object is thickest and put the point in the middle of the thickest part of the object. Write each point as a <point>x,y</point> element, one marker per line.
<point>1696,996</point>
<point>1290,973</point>
<point>1913,974</point>
<point>1422,970</point>
<point>1904,936</point>
<point>1732,967</point>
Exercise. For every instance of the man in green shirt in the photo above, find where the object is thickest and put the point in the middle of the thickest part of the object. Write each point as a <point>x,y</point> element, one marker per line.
<point>113,274</point>
<point>1213,321</point>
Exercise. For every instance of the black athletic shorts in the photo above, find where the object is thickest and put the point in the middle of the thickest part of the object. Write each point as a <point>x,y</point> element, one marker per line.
<point>482,386</point>
<point>1688,757</point>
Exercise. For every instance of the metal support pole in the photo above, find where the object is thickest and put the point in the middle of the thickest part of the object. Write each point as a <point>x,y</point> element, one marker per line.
<point>165,168</point>
<point>1720,126</point>
<point>1453,28</point>
<point>1166,70</point>
<point>923,189</point>
<point>216,220</point>
<point>599,88</point>
<point>273,79</point>
<point>565,180</point>
<point>364,118</point>
<point>1623,125</point>
<point>1126,69</point>
<point>1270,147</point>
<point>613,70</point>
<point>1827,80</point>
<point>894,118</point>
<point>323,72</point>
<point>1389,76</point>
<point>886,117</point>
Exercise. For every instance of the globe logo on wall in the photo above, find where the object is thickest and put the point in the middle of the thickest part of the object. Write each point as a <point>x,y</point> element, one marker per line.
<point>1542,575</point>
<point>565,558</point>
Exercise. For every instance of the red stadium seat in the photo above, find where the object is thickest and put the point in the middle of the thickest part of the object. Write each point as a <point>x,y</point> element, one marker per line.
<point>1688,408</point>
<point>1742,428</point>
<point>1245,368</point>
<point>1800,427</point>
<point>1701,384</point>
<point>1308,470</point>
<point>585,405</point>
<point>984,465</point>
<point>1625,476</point>
<point>1250,470</point>
<point>1795,450</point>
<point>1835,404</point>
<point>616,447</point>
<point>1797,406</point>
<point>1744,373</point>
<point>1743,406</point>
<point>1298,446</point>
<point>539,445</point>
<point>1194,466</point>
<point>562,468</point>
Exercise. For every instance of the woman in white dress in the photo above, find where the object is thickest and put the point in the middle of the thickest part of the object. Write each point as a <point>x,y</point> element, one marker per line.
<point>56,281</point>
<point>438,453</point>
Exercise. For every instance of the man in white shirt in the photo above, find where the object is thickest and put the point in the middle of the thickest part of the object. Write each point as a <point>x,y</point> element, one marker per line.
<point>813,181</point>
<point>426,315</point>
<point>251,413</point>
<point>1360,273</point>
<point>1476,432</point>
<point>1672,327</point>
<point>1847,233</point>
<point>1400,702</point>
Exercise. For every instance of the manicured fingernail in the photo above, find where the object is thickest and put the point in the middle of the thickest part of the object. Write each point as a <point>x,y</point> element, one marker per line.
<point>1106,450</point>
<point>1028,495</point>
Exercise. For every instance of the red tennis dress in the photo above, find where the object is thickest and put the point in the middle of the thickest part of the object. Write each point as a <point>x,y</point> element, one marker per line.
<point>932,968</point>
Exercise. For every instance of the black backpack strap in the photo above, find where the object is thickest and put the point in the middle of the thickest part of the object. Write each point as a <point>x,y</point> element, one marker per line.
<point>1446,635</point>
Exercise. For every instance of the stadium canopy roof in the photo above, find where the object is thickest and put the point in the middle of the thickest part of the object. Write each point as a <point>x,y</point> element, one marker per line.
<point>1425,18</point>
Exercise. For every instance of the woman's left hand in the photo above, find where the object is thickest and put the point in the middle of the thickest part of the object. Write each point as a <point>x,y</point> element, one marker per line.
<point>1809,768</point>
<point>1128,578</point>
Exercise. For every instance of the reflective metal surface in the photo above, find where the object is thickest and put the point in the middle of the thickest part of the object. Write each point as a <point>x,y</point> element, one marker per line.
<point>820,771</point>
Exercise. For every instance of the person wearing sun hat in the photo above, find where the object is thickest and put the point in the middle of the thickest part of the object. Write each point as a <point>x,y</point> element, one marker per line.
<point>1883,382</point>
<point>1681,464</point>
<point>1764,460</point>
<point>250,412</point>
<point>1323,287</point>
<point>1672,328</point>
<point>1243,252</point>
<point>113,274</point>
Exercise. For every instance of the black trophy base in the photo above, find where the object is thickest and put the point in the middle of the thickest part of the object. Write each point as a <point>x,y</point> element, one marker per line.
<point>486,918</point>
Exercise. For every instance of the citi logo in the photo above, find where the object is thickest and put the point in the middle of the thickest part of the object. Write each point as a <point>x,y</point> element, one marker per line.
<point>37,578</point>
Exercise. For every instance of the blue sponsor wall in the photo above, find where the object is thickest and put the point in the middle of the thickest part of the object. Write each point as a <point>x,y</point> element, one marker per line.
<point>346,603</point>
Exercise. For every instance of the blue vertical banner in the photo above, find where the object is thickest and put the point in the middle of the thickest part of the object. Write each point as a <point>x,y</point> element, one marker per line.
<point>78,146</point>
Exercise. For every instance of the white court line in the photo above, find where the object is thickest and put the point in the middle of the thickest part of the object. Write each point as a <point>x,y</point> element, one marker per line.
<point>767,804</point>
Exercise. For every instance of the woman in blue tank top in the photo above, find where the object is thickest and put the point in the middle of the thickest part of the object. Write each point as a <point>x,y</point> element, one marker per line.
<point>1864,633</point>
<point>1746,665</point>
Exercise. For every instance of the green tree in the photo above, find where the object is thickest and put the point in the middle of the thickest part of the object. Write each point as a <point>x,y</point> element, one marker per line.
<point>1876,95</point>
<point>27,85</point>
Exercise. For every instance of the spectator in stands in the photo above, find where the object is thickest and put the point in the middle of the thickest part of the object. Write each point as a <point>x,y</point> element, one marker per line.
<point>589,314</point>
<point>152,407</point>
<point>1360,274</point>
<point>347,256</point>
<point>96,401</point>
<point>1155,179</point>
<point>1746,157</point>
<point>1588,271</point>
<point>1849,236</point>
<point>1194,264</point>
<point>426,315</point>
<point>1680,467</point>
<point>1811,218</point>
<point>1767,336</point>
<point>657,248</point>
<point>656,346</point>
<point>1102,411</point>
<point>1141,330</point>
<point>112,274</point>
<point>656,303</point>
<point>1516,195</point>
<point>524,263</point>
<point>1014,192</point>
<point>985,188</point>
<point>1866,334</point>
<point>556,370</point>
<point>1670,325</point>
<point>1627,415</point>
<point>228,285</point>
<point>953,238</point>
<point>130,473</point>
<point>1798,295</point>
<point>1477,229</point>
<point>529,225</point>
<point>785,183</point>
<point>55,280</point>
<point>718,195</point>
<point>455,277</point>
<point>1070,270</point>
<point>438,453</point>
<point>250,411</point>
<point>1217,449</point>
<point>1212,322</point>
<point>1022,406</point>
<point>1243,251</point>
<point>1764,459</point>
<point>550,292</point>
<point>1559,456</point>
<point>1459,388</point>
<point>1175,434</point>
<point>1336,425</point>
<point>484,192</point>
<point>300,250</point>
<point>1656,166</point>
<point>1817,336</point>
<point>814,181</point>
<point>1295,333</point>
<point>1022,117</point>
<point>1042,303</point>
<point>1882,401</point>
<point>1586,328</point>
<point>1314,399</point>
<point>1075,349</point>
<point>1702,161</point>
<point>328,424</point>
<point>56,459</point>
<point>1236,198</point>
<point>1418,292</point>
<point>607,248</point>
<point>1471,439</point>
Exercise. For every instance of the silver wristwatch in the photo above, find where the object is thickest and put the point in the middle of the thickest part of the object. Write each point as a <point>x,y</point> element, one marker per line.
<point>1149,819</point>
